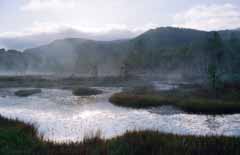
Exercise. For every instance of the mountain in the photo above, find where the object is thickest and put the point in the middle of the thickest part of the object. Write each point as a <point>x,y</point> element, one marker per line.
<point>38,39</point>
<point>168,37</point>
<point>162,51</point>
<point>75,55</point>
<point>184,52</point>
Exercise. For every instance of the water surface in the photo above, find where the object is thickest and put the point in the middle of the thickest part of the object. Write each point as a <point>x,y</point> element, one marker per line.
<point>61,117</point>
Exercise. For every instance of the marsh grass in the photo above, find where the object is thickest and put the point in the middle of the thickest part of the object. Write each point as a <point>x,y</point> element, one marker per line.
<point>209,106</point>
<point>27,92</point>
<point>85,91</point>
<point>194,100</point>
<point>140,101</point>
<point>19,138</point>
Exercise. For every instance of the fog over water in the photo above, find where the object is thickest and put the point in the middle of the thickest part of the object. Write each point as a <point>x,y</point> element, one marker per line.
<point>61,117</point>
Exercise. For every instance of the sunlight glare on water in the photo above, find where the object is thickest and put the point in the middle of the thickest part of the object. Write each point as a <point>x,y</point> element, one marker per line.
<point>62,117</point>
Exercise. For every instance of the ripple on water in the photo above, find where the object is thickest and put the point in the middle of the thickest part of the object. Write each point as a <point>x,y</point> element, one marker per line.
<point>60,116</point>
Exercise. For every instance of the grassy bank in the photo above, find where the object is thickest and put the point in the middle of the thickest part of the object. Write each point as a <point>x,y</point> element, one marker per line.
<point>19,138</point>
<point>192,100</point>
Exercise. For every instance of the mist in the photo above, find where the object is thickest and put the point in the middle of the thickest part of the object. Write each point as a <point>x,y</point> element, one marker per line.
<point>25,41</point>
<point>166,52</point>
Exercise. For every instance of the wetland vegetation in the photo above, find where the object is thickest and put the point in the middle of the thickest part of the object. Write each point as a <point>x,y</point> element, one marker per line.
<point>20,138</point>
<point>196,99</point>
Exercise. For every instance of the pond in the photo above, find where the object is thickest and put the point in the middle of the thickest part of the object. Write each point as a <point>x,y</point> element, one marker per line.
<point>62,117</point>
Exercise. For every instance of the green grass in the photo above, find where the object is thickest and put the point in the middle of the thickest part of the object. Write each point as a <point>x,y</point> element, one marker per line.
<point>19,138</point>
<point>200,101</point>
<point>16,137</point>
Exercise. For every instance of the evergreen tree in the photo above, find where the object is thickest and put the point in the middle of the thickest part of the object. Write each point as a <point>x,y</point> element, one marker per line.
<point>216,49</point>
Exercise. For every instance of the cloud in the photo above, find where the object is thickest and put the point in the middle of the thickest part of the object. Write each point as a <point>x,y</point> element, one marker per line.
<point>40,5</point>
<point>45,32</point>
<point>58,27</point>
<point>95,16</point>
<point>211,17</point>
<point>27,40</point>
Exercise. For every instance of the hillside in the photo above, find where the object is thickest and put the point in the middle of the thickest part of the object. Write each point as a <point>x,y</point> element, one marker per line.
<point>184,53</point>
<point>76,55</point>
<point>161,51</point>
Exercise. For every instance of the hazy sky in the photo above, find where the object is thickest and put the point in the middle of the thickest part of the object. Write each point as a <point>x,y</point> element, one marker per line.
<point>21,17</point>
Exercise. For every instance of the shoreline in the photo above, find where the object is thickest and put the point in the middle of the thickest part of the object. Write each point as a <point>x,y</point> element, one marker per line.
<point>134,142</point>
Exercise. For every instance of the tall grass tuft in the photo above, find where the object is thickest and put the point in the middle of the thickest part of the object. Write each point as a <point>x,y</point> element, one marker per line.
<point>20,138</point>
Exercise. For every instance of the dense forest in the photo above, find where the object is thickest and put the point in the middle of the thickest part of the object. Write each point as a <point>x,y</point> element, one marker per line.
<point>163,52</point>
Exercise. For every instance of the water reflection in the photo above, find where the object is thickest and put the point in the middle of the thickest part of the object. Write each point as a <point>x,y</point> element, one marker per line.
<point>212,123</point>
<point>60,116</point>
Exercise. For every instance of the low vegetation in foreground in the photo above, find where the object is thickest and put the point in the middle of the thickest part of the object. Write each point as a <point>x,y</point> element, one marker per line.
<point>19,138</point>
<point>190,99</point>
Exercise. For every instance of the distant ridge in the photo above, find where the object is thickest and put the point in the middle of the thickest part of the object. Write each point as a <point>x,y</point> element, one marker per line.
<point>164,49</point>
